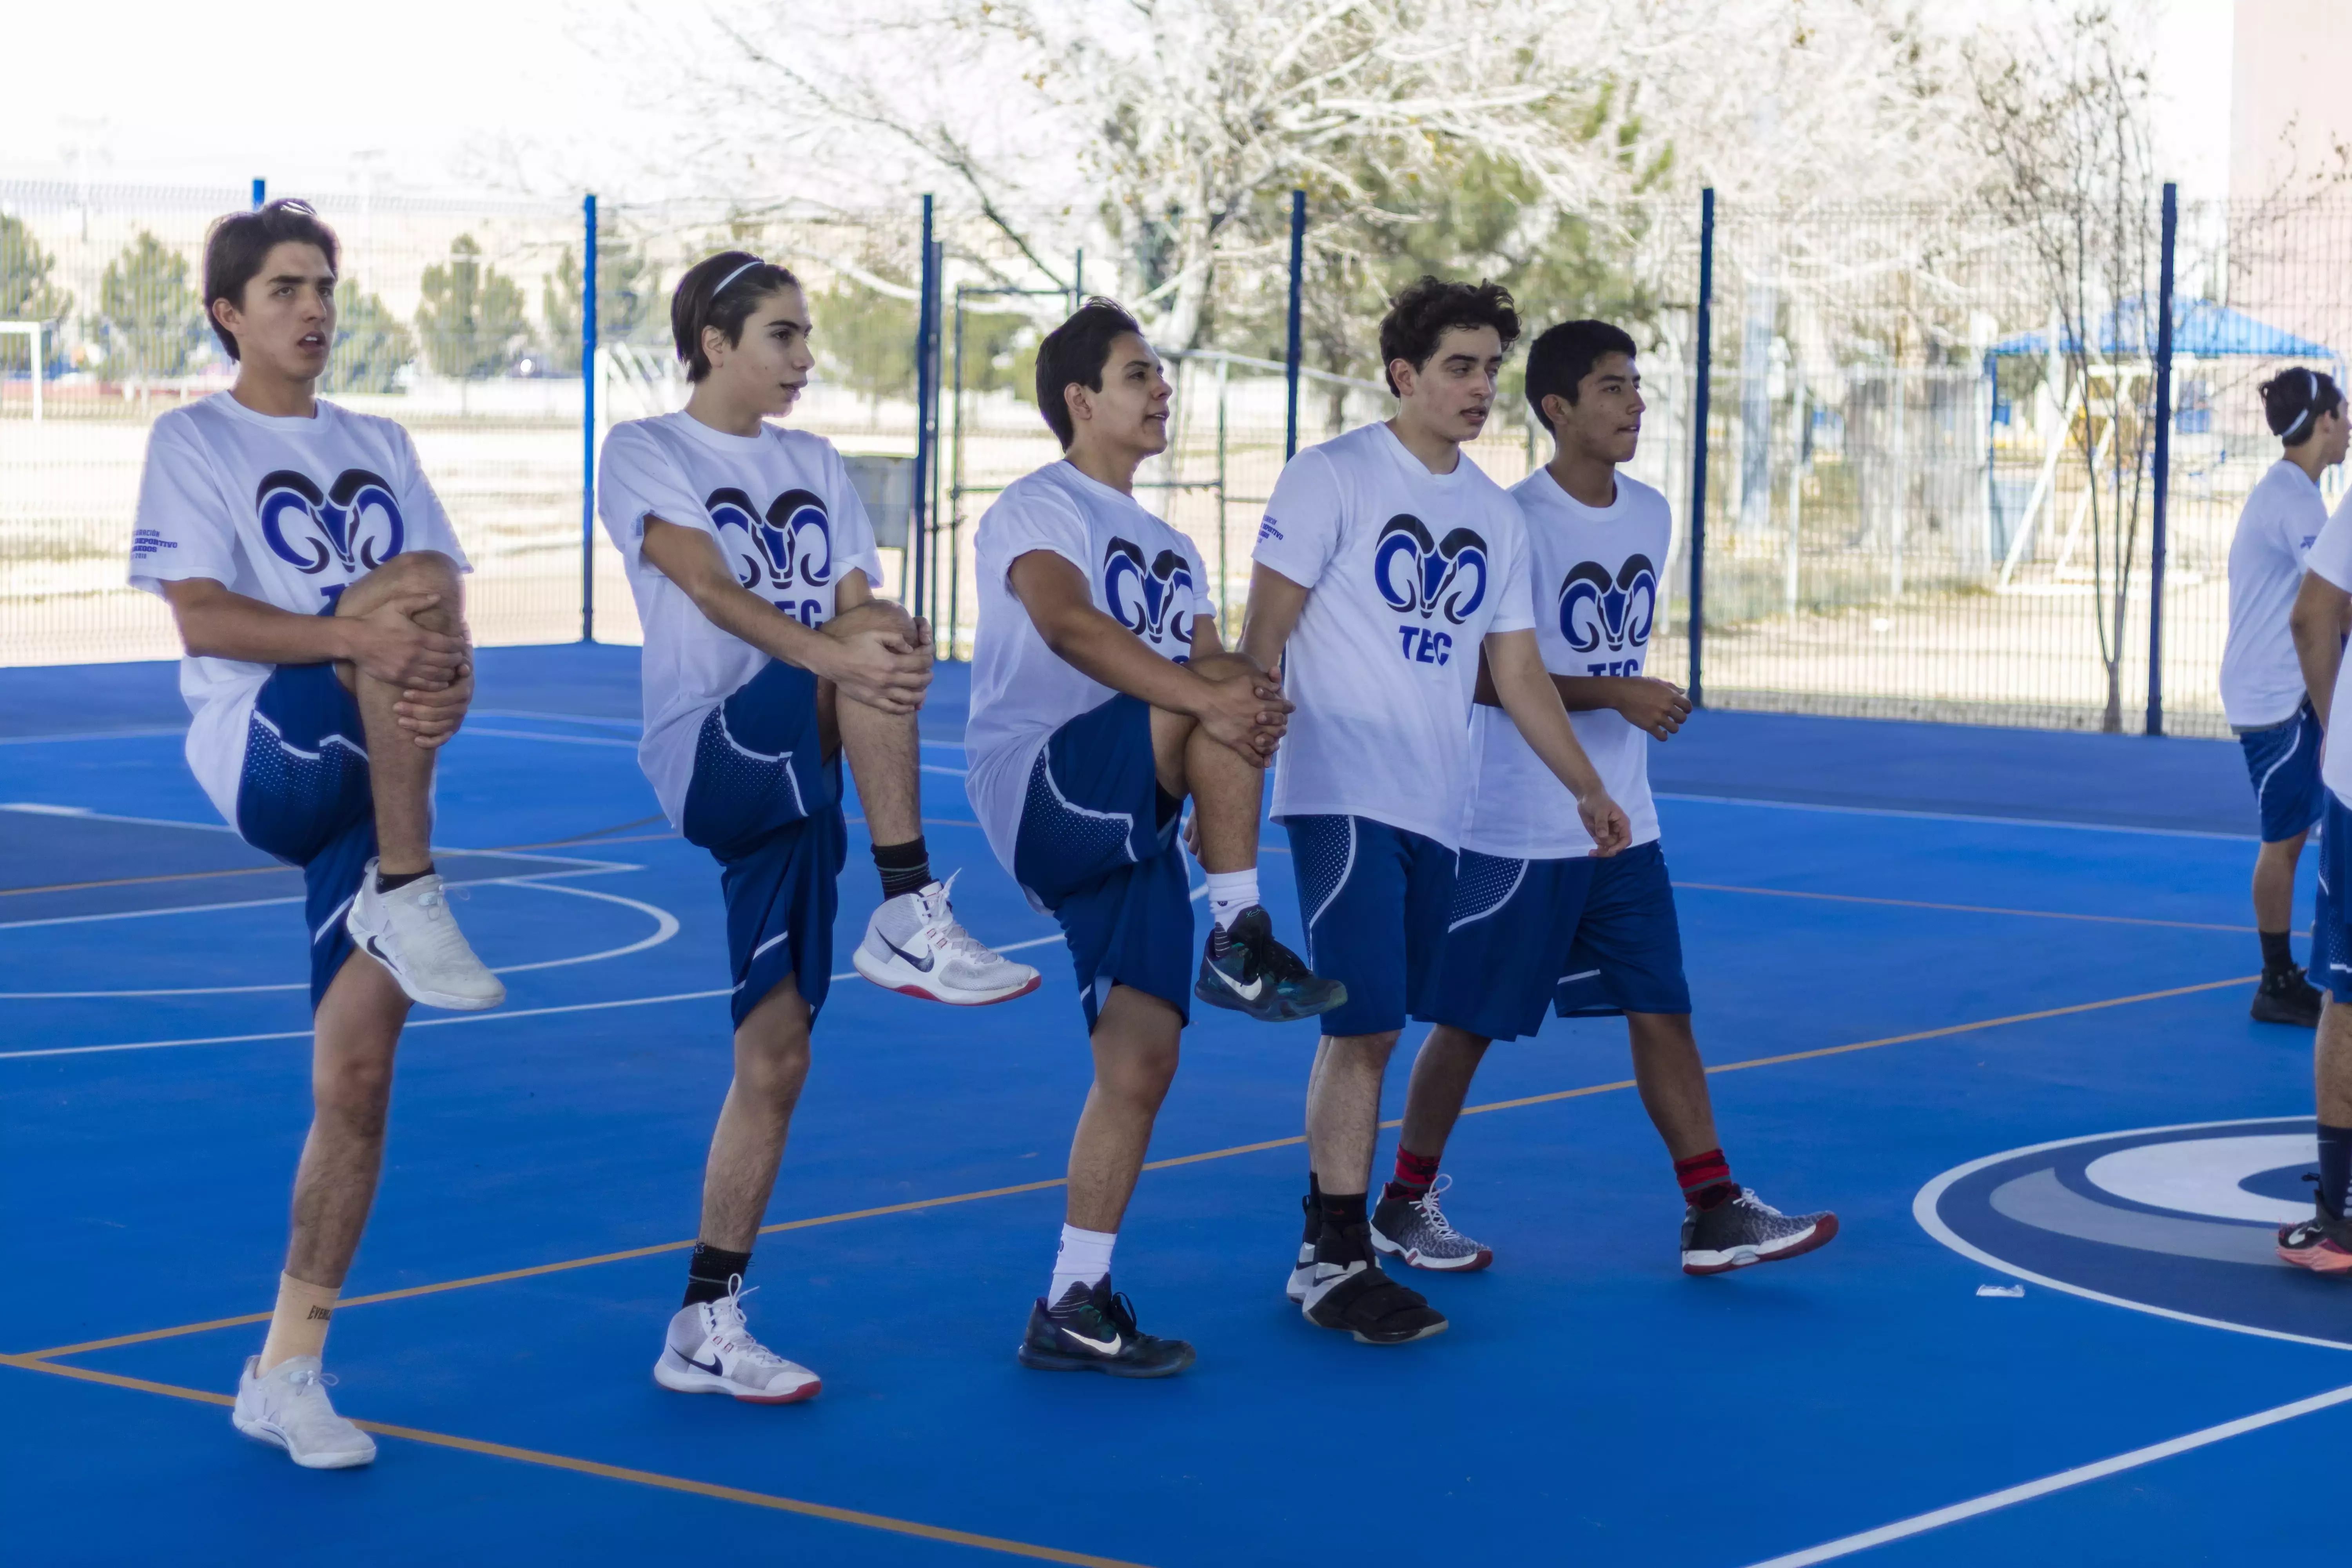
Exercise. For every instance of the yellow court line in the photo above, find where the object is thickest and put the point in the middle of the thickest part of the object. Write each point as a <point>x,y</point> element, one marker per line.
<point>618,1473</point>
<point>1957,908</point>
<point>150,1335</point>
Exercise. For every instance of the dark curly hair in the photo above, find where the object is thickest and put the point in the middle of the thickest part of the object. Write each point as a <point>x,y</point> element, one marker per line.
<point>1426,308</point>
<point>237,247</point>
<point>2295,400</point>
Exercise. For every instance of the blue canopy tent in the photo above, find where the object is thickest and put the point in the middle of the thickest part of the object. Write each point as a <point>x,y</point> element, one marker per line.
<point>2125,337</point>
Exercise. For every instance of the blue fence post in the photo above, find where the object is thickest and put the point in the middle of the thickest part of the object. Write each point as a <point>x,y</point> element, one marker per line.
<point>1698,612</point>
<point>260,192</point>
<point>926,327</point>
<point>2163,461</point>
<point>1297,288</point>
<point>588,424</point>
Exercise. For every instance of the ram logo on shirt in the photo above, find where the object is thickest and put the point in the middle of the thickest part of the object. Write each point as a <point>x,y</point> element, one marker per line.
<point>355,525</point>
<point>787,547</point>
<point>1597,611</point>
<point>1415,574</point>
<point>1140,598</point>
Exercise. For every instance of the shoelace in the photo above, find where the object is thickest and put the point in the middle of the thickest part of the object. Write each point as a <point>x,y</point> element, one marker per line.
<point>731,1334</point>
<point>1748,1200</point>
<point>1427,1204</point>
<point>947,934</point>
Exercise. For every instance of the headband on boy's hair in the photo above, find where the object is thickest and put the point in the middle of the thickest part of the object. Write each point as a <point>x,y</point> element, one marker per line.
<point>2294,432</point>
<point>738,272</point>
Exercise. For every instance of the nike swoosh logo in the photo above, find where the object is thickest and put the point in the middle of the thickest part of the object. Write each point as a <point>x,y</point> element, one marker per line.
<point>923,964</point>
<point>1247,993</point>
<point>1107,1347</point>
<point>713,1368</point>
<point>381,956</point>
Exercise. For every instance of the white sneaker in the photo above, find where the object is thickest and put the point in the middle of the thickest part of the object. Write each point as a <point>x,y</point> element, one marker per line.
<point>287,1406</point>
<point>914,945</point>
<point>710,1350</point>
<point>411,934</point>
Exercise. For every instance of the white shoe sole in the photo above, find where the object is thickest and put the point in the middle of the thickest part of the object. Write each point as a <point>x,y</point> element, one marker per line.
<point>261,1432</point>
<point>449,1001</point>
<point>678,1381</point>
<point>908,980</point>
<point>1302,1275</point>
<point>1416,1258</point>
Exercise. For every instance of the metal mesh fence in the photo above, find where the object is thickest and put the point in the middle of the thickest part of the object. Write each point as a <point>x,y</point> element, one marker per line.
<point>1930,479</point>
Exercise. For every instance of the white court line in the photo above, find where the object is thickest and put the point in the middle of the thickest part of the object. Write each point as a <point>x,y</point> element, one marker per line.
<point>1919,1524</point>
<point>554,718</point>
<point>84,814</point>
<point>933,768</point>
<point>537,735</point>
<point>92,736</point>
<point>489,1017</point>
<point>582,869</point>
<point>1952,816</point>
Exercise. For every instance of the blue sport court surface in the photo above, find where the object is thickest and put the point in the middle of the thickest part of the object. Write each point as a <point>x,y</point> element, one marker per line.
<point>1983,993</point>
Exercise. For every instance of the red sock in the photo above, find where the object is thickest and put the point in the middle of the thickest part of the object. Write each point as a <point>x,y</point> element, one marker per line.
<point>1705,1179</point>
<point>1414,1173</point>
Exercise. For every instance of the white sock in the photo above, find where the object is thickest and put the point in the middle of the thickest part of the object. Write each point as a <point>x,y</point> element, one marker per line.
<point>1084,1260</point>
<point>1231,893</point>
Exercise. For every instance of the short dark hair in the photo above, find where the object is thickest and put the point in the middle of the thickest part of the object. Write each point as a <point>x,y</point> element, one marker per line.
<point>2293,401</point>
<point>720,291</point>
<point>238,244</point>
<point>1560,359</point>
<point>1077,352</point>
<point>1426,308</point>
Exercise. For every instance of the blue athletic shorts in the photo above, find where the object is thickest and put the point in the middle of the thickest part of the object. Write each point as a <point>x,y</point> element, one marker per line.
<point>304,798</point>
<point>2284,762</point>
<point>1096,848</point>
<point>2331,926</point>
<point>1588,937</point>
<point>766,804</point>
<point>1372,899</point>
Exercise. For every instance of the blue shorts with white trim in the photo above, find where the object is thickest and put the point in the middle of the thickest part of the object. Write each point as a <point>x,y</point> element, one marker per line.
<point>2331,924</point>
<point>304,798</point>
<point>2284,762</point>
<point>1098,850</point>
<point>1372,899</point>
<point>1586,937</point>
<point>767,805</point>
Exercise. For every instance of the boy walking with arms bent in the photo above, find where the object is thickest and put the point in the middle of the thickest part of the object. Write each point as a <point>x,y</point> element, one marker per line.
<point>1386,566</point>
<point>316,583</point>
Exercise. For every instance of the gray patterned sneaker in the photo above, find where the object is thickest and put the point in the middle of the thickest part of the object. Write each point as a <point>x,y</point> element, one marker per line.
<point>1745,1229</point>
<point>1416,1230</point>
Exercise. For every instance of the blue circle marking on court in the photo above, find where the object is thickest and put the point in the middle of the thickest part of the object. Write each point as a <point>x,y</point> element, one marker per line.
<point>2178,1221</point>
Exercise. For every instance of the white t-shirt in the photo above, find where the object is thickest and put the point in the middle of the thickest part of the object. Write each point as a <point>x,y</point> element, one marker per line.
<point>2331,558</point>
<point>1596,577</point>
<point>1407,571</point>
<point>1141,573</point>
<point>289,511</point>
<point>785,516</point>
<point>2261,683</point>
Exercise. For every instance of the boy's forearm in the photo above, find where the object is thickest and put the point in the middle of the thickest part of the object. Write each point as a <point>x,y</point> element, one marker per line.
<point>1101,649</point>
<point>232,625</point>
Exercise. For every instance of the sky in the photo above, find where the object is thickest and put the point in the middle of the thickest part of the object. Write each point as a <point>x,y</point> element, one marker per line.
<point>451,95</point>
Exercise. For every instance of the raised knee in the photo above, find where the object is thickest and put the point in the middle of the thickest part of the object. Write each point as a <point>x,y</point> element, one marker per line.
<point>410,572</point>
<point>867,616</point>
<point>1224,665</point>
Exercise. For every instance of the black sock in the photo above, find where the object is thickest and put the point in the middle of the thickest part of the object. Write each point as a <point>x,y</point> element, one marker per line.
<point>2334,1166</point>
<point>2277,956</point>
<point>904,867</point>
<point>708,1271</point>
<point>385,883</point>
<point>1343,1238</point>
<point>1314,1207</point>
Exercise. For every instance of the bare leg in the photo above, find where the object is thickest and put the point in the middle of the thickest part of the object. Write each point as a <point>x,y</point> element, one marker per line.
<point>1135,1048</point>
<point>400,771</point>
<point>1228,791</point>
<point>1442,1072</point>
<point>771,1062</point>
<point>1343,1110</point>
<point>2274,866</point>
<point>2332,1065</point>
<point>357,1029</point>
<point>1673,1081</point>
<point>884,750</point>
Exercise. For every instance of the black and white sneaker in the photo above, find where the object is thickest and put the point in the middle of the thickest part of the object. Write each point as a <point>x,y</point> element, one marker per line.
<point>1745,1229</point>
<point>1302,1273</point>
<point>2286,996</point>
<point>1349,1292</point>
<point>1094,1330</point>
<point>1257,975</point>
<point>1416,1230</point>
